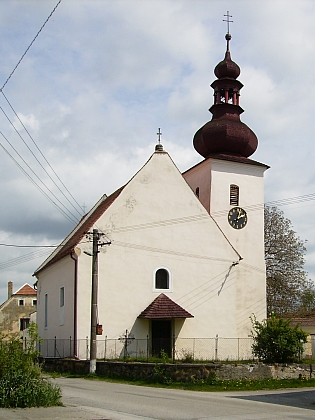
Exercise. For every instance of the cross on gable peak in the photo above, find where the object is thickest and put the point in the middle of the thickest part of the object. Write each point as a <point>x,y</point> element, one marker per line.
<point>159,135</point>
<point>228,21</point>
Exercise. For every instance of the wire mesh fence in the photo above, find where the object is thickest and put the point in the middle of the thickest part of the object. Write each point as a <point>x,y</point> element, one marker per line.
<point>180,349</point>
<point>202,349</point>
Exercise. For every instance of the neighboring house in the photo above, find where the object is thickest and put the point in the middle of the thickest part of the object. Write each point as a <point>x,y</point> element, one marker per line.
<point>186,258</point>
<point>307,324</point>
<point>16,311</point>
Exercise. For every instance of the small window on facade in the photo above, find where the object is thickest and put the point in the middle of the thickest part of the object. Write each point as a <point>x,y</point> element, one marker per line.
<point>34,302</point>
<point>21,302</point>
<point>197,192</point>
<point>161,279</point>
<point>62,297</point>
<point>24,323</point>
<point>234,195</point>
<point>46,310</point>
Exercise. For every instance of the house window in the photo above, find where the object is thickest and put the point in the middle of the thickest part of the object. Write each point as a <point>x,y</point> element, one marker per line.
<point>46,311</point>
<point>234,195</point>
<point>62,297</point>
<point>24,323</point>
<point>21,302</point>
<point>34,302</point>
<point>162,279</point>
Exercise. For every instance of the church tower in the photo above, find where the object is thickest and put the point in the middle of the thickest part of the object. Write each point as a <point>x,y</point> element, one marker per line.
<point>229,184</point>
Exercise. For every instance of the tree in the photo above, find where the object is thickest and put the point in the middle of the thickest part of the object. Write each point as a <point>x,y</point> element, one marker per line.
<point>284,254</point>
<point>275,341</point>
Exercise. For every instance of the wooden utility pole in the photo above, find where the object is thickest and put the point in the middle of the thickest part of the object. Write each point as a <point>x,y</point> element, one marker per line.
<point>94,294</point>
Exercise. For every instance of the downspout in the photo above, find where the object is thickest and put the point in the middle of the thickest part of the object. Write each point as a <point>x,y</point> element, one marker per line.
<point>74,256</point>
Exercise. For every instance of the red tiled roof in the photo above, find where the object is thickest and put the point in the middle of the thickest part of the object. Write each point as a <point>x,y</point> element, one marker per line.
<point>305,322</point>
<point>26,290</point>
<point>78,234</point>
<point>163,307</point>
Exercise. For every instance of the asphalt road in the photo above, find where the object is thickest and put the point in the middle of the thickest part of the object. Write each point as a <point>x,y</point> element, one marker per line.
<point>97,400</point>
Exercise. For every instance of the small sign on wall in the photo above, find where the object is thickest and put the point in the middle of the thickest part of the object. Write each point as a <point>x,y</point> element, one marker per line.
<point>99,329</point>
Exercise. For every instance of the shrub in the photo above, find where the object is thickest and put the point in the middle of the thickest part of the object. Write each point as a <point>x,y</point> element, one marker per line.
<point>276,341</point>
<point>21,380</point>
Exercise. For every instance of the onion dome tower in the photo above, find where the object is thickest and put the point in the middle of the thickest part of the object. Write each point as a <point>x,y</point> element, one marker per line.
<point>226,134</point>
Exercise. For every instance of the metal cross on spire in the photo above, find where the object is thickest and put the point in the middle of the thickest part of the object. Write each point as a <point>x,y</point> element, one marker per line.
<point>159,134</point>
<point>228,16</point>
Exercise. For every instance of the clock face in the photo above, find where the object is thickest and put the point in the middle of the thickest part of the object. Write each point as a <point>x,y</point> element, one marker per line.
<point>237,218</point>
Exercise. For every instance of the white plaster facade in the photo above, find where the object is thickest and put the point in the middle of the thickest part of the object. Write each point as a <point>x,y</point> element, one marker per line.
<point>155,221</point>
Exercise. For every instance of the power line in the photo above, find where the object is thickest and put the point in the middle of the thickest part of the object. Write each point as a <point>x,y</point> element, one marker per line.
<point>29,246</point>
<point>75,220</point>
<point>1,90</point>
<point>33,154</point>
<point>42,27</point>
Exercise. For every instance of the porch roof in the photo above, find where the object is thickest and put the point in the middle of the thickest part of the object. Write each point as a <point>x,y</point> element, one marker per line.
<point>164,308</point>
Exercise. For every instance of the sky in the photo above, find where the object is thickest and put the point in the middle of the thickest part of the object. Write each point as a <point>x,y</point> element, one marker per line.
<point>102,76</point>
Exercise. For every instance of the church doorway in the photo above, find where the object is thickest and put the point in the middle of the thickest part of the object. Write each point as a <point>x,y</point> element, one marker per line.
<point>161,331</point>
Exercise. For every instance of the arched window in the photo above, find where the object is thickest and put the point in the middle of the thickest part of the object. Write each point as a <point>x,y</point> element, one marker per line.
<point>162,279</point>
<point>234,195</point>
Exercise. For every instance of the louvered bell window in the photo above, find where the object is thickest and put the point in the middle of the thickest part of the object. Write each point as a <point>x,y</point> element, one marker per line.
<point>234,195</point>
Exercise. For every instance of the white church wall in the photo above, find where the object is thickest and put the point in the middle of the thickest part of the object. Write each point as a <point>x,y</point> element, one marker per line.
<point>158,222</point>
<point>53,318</point>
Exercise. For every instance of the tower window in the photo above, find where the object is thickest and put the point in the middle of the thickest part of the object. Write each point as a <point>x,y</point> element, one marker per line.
<point>234,195</point>
<point>21,302</point>
<point>197,192</point>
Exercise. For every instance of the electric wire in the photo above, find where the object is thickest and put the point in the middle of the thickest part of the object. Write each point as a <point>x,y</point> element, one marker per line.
<point>42,27</point>
<point>26,164</point>
<point>37,186</point>
<point>1,90</point>
<point>35,157</point>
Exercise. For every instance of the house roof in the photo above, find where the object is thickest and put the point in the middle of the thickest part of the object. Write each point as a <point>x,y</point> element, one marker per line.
<point>26,290</point>
<point>163,307</point>
<point>305,322</point>
<point>68,245</point>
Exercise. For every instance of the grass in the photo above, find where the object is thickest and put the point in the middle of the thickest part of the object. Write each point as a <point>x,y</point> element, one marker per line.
<point>212,384</point>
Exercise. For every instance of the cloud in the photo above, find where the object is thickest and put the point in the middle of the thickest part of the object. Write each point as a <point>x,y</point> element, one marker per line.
<point>101,78</point>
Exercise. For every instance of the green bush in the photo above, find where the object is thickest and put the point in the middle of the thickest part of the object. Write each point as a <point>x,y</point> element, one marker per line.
<point>276,341</point>
<point>21,380</point>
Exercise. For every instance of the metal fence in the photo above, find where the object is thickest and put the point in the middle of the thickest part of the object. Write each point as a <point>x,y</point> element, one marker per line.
<point>185,349</point>
<point>181,348</point>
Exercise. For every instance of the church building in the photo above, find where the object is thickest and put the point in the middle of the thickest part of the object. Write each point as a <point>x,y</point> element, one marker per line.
<point>180,255</point>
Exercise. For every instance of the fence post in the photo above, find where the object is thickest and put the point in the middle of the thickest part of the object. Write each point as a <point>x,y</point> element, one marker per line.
<point>55,347</point>
<point>147,347</point>
<point>238,349</point>
<point>70,348</point>
<point>105,347</point>
<point>87,348</point>
<point>216,347</point>
<point>173,351</point>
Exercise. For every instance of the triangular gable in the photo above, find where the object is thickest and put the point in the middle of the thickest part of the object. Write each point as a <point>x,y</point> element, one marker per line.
<point>67,246</point>
<point>26,290</point>
<point>164,308</point>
